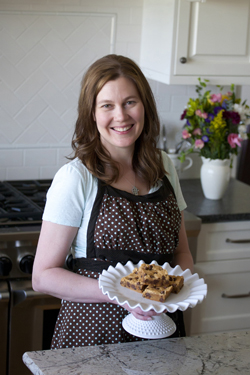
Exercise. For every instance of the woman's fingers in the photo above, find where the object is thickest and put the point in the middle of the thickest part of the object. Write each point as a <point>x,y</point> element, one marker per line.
<point>140,314</point>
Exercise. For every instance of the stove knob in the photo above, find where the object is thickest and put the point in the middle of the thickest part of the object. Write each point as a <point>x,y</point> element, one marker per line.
<point>5,266</point>
<point>26,264</point>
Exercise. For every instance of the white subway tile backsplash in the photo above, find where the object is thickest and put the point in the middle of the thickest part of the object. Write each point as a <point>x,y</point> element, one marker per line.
<point>30,112</point>
<point>40,157</point>
<point>56,73</point>
<point>30,87</point>
<point>33,60</point>
<point>10,103</point>
<point>10,130</point>
<point>14,158</point>
<point>54,97</point>
<point>9,71</point>
<point>53,124</point>
<point>63,154</point>
<point>3,174</point>
<point>135,15</point>
<point>38,28</point>
<point>24,173</point>
<point>30,136</point>
<point>10,48</point>
<point>127,33</point>
<point>178,103</point>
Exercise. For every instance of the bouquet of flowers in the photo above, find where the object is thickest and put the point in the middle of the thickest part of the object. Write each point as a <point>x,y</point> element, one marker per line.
<point>216,124</point>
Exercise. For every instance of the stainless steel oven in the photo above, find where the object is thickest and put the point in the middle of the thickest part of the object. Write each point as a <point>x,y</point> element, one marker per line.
<point>27,318</point>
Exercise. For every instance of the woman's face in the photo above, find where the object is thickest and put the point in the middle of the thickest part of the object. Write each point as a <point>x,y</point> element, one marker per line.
<point>119,114</point>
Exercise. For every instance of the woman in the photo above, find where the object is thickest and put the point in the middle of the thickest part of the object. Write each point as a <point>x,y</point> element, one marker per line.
<point>112,202</point>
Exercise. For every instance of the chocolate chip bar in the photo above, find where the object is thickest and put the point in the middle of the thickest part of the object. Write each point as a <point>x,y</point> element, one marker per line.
<point>177,284</point>
<point>151,274</point>
<point>157,293</point>
<point>132,282</point>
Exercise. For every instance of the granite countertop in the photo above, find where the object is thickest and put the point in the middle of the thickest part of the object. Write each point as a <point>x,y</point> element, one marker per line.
<point>234,206</point>
<point>217,354</point>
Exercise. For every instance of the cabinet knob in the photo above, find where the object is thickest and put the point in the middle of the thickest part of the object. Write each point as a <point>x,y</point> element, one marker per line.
<point>183,60</point>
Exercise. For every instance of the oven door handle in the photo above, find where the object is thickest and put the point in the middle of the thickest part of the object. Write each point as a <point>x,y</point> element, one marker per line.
<point>4,292</point>
<point>20,296</point>
<point>4,296</point>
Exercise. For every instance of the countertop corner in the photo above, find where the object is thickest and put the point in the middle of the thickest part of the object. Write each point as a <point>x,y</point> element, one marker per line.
<point>234,206</point>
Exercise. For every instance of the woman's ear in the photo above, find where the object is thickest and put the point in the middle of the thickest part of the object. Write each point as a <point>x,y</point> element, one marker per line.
<point>93,114</point>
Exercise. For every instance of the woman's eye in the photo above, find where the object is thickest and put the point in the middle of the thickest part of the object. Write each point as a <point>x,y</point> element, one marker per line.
<point>130,102</point>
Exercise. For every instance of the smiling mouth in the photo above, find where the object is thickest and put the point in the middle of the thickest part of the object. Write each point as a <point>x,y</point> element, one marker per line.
<point>123,129</point>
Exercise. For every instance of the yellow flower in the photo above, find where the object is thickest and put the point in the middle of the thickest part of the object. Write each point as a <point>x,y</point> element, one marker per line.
<point>218,123</point>
<point>223,97</point>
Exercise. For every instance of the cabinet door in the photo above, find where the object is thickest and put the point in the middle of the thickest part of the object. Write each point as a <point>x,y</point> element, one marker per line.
<point>213,37</point>
<point>217,313</point>
<point>221,241</point>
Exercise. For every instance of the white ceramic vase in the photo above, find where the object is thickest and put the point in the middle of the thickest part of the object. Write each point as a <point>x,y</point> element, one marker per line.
<point>215,176</point>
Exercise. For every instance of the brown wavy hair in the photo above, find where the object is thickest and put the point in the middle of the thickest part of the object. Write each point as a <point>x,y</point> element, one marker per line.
<point>147,162</point>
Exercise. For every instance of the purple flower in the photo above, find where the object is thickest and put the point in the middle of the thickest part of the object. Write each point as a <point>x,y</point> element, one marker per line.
<point>217,109</point>
<point>183,114</point>
<point>224,104</point>
<point>210,117</point>
<point>188,123</point>
<point>234,116</point>
<point>205,138</point>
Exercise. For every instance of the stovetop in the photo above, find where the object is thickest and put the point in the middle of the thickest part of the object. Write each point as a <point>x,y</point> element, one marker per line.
<point>22,202</point>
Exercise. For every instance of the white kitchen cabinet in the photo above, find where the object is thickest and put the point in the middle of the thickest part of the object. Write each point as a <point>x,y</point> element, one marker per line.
<point>225,267</point>
<point>184,39</point>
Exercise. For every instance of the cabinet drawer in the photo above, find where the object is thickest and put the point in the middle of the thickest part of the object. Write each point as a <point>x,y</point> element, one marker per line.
<point>215,313</point>
<point>221,241</point>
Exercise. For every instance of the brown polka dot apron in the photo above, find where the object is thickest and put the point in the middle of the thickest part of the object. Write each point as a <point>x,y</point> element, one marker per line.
<point>122,227</point>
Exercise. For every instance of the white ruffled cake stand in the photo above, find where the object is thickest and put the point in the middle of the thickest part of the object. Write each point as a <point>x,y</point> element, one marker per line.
<point>193,292</point>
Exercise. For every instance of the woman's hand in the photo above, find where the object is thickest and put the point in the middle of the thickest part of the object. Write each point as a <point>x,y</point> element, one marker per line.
<point>140,314</point>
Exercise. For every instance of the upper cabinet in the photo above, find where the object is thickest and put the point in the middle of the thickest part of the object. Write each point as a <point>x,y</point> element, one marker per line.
<point>184,39</point>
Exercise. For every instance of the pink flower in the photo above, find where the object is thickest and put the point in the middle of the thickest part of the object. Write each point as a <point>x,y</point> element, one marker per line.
<point>199,143</point>
<point>233,139</point>
<point>201,114</point>
<point>197,131</point>
<point>216,98</point>
<point>185,134</point>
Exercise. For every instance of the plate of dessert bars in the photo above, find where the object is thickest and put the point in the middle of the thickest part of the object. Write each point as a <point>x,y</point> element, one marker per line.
<point>151,286</point>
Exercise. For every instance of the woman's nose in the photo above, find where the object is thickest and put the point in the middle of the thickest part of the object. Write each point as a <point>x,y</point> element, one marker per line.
<point>120,113</point>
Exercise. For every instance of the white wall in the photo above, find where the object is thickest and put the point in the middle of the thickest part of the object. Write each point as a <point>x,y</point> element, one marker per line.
<point>37,109</point>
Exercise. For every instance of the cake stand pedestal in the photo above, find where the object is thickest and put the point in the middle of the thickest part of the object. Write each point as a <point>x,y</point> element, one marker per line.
<point>159,327</point>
